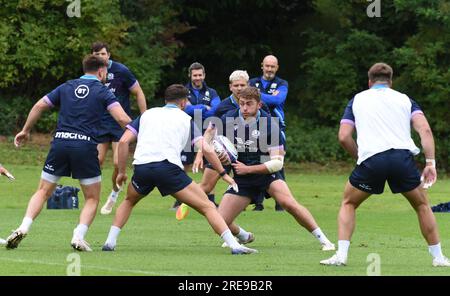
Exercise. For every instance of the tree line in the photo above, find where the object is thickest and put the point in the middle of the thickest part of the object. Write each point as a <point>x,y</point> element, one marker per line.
<point>324,47</point>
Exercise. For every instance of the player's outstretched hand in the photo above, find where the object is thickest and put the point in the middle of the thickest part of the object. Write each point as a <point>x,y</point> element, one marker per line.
<point>231,181</point>
<point>5,172</point>
<point>198,163</point>
<point>121,179</point>
<point>429,176</point>
<point>210,133</point>
<point>21,138</point>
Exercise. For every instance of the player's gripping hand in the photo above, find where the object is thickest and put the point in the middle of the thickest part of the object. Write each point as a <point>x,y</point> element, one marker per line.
<point>240,168</point>
<point>5,172</point>
<point>121,179</point>
<point>224,159</point>
<point>429,176</point>
<point>231,181</point>
<point>20,138</point>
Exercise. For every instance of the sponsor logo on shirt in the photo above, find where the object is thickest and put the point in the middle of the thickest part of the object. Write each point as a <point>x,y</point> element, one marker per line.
<point>82,91</point>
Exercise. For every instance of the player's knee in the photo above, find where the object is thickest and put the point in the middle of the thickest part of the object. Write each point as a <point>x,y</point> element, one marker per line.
<point>131,201</point>
<point>206,207</point>
<point>206,187</point>
<point>347,202</point>
<point>46,191</point>
<point>422,207</point>
<point>288,204</point>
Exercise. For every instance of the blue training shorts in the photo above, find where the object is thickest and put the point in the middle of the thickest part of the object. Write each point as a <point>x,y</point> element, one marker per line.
<point>78,159</point>
<point>253,186</point>
<point>167,177</point>
<point>396,166</point>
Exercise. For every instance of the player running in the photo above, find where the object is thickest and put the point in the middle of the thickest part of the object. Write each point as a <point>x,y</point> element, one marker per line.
<point>73,151</point>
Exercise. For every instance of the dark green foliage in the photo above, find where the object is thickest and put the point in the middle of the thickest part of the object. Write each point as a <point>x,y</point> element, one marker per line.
<point>313,143</point>
<point>325,48</point>
<point>41,47</point>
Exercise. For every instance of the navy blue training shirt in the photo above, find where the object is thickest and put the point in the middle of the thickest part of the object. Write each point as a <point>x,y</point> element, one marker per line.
<point>119,81</point>
<point>82,102</point>
<point>253,141</point>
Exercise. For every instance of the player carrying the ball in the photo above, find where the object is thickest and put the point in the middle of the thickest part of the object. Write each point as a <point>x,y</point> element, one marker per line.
<point>259,143</point>
<point>161,135</point>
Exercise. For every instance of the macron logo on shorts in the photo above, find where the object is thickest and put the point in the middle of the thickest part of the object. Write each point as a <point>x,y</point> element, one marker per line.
<point>364,186</point>
<point>49,167</point>
<point>71,136</point>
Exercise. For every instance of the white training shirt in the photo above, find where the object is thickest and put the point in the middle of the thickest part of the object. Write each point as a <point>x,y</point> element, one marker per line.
<point>382,117</point>
<point>162,133</point>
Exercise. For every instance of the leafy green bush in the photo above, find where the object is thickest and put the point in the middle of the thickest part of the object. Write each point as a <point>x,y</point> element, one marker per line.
<point>307,142</point>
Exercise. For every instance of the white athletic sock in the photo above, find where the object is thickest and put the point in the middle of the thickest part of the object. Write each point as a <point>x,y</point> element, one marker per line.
<point>436,251</point>
<point>26,224</point>
<point>243,235</point>
<point>114,195</point>
<point>112,236</point>
<point>231,241</point>
<point>342,251</point>
<point>80,231</point>
<point>320,236</point>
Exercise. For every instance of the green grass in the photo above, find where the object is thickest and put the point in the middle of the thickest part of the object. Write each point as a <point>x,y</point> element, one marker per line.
<point>155,243</point>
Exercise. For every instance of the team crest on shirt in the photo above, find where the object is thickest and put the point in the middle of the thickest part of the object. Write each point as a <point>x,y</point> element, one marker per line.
<point>82,91</point>
<point>255,134</point>
<point>207,96</point>
<point>110,76</point>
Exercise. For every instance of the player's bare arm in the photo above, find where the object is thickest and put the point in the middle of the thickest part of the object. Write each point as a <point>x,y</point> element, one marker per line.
<point>140,97</point>
<point>122,152</point>
<point>36,112</point>
<point>346,140</point>
<point>119,115</point>
<point>275,164</point>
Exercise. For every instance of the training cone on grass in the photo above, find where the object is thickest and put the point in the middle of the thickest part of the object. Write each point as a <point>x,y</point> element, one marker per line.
<point>182,212</point>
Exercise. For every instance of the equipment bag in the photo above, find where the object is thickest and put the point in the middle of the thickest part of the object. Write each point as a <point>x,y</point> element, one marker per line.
<point>64,197</point>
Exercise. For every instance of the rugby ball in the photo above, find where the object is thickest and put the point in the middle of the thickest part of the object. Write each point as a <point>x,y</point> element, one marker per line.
<point>223,144</point>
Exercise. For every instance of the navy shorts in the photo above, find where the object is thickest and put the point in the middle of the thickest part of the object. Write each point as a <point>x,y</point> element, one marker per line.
<point>167,177</point>
<point>253,186</point>
<point>78,159</point>
<point>109,133</point>
<point>187,157</point>
<point>395,166</point>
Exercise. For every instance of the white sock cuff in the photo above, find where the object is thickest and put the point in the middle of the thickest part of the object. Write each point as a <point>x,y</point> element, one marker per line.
<point>225,233</point>
<point>115,228</point>
<point>26,224</point>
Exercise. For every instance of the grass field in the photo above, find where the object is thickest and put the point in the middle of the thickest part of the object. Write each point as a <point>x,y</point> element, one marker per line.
<point>155,243</point>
